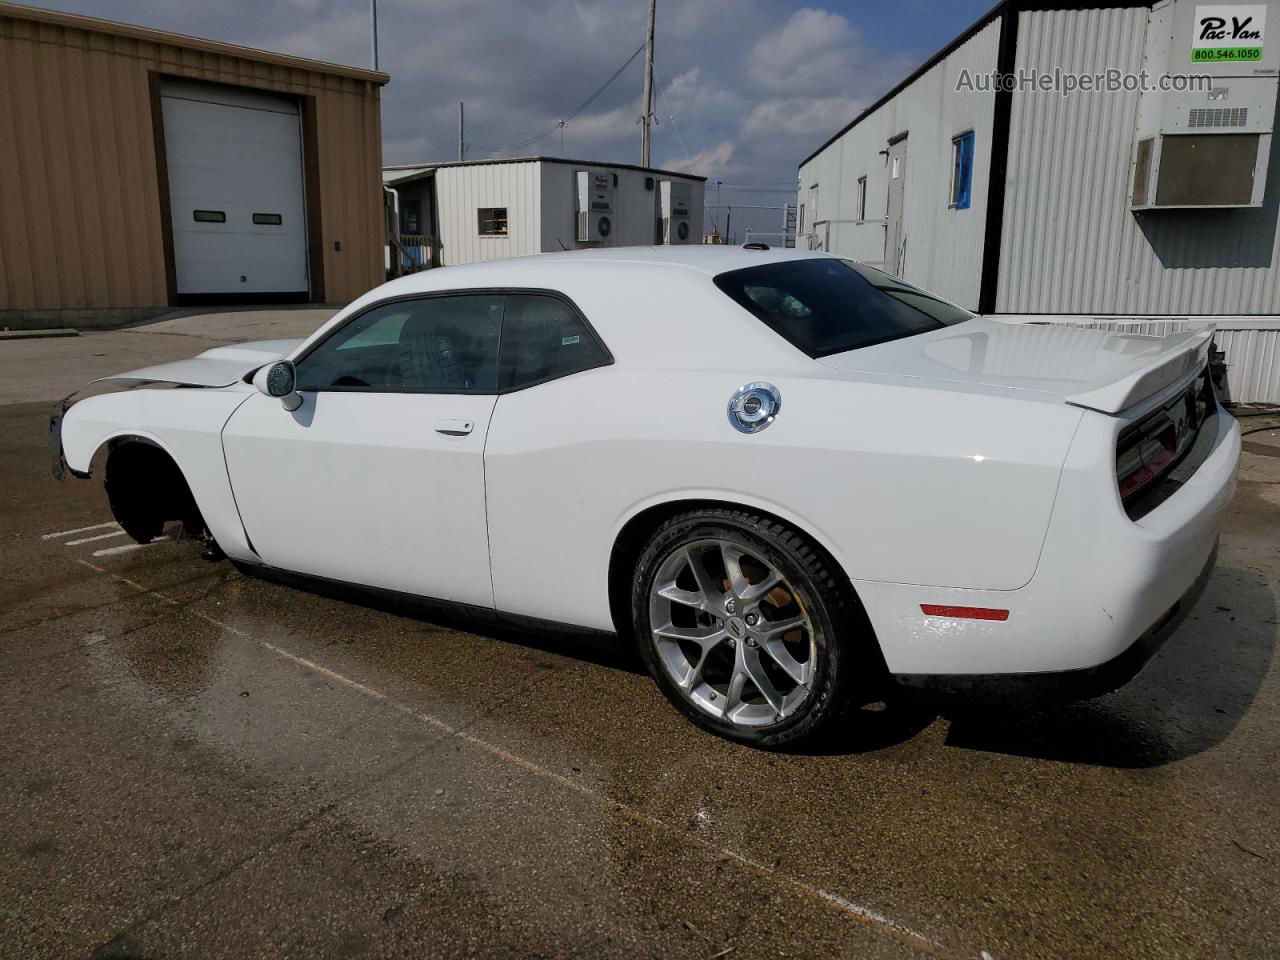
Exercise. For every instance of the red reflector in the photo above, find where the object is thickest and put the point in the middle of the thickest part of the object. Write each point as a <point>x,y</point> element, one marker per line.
<point>964,613</point>
<point>1164,618</point>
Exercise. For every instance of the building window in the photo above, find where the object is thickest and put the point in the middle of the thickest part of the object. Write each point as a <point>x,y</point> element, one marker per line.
<point>801,218</point>
<point>268,219</point>
<point>209,216</point>
<point>962,171</point>
<point>861,199</point>
<point>493,221</point>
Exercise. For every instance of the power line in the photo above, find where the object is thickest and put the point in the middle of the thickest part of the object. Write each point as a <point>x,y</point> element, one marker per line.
<point>671,115</point>
<point>561,123</point>
<point>674,126</point>
<point>604,86</point>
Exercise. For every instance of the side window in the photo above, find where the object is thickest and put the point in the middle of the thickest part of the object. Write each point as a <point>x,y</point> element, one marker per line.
<point>437,344</point>
<point>544,338</point>
<point>962,171</point>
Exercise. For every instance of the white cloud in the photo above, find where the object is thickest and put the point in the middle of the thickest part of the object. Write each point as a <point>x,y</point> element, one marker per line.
<point>707,163</point>
<point>751,90</point>
<point>800,116</point>
<point>813,52</point>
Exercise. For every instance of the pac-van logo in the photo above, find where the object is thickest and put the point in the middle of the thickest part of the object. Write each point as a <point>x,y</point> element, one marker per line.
<point>1228,33</point>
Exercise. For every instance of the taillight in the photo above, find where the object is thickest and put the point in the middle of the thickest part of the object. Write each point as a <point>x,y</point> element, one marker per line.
<point>1145,459</point>
<point>1149,449</point>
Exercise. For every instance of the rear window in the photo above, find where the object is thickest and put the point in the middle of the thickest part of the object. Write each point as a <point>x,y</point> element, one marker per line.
<point>825,306</point>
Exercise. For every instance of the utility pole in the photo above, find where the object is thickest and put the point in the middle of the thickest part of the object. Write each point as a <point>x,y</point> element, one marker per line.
<point>373,31</point>
<point>648,88</point>
<point>462,144</point>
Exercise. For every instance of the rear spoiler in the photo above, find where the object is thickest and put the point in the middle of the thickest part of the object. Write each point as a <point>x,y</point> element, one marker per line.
<point>1182,355</point>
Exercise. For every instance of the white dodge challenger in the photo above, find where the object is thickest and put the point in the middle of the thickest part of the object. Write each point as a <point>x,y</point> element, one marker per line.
<point>792,479</point>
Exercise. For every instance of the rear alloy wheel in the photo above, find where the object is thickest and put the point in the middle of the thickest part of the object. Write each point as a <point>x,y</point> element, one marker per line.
<point>734,617</point>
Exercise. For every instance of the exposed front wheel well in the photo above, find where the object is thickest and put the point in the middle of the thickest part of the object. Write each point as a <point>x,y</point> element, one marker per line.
<point>146,489</point>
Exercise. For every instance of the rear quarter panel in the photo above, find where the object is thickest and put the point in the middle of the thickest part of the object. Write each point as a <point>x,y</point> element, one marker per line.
<point>901,483</point>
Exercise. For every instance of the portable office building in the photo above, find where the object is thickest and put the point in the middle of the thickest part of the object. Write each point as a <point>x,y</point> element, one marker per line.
<point>1107,163</point>
<point>452,213</point>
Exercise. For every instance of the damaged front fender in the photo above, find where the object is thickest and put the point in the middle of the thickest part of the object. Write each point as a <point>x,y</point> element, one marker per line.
<point>219,367</point>
<point>59,464</point>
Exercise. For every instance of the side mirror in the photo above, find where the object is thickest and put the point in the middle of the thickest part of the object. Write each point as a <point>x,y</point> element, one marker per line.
<point>279,380</point>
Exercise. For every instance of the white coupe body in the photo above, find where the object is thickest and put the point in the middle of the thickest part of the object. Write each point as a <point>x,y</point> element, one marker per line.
<point>963,479</point>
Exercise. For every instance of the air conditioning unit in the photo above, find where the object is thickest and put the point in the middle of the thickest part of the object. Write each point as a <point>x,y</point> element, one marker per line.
<point>676,201</point>
<point>595,207</point>
<point>1206,146</point>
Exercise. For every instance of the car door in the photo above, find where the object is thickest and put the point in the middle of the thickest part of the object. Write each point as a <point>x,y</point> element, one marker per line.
<point>378,477</point>
<point>541,468</point>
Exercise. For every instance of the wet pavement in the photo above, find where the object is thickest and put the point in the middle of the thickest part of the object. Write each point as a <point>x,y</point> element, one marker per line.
<point>195,763</point>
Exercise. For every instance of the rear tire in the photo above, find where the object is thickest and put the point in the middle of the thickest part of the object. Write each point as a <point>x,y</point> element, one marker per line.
<point>749,628</point>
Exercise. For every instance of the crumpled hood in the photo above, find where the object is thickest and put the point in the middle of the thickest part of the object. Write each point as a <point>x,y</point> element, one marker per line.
<point>219,367</point>
<point>1098,369</point>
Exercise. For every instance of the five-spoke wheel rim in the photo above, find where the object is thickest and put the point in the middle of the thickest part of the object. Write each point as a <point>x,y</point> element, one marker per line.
<point>731,633</point>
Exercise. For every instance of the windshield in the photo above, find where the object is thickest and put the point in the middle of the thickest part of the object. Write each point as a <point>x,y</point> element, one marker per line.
<point>825,306</point>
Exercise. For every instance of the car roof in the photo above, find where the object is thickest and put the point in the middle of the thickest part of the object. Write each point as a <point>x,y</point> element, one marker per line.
<point>707,259</point>
<point>703,257</point>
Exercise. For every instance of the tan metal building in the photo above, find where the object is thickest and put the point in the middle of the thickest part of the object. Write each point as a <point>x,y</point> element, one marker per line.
<point>142,170</point>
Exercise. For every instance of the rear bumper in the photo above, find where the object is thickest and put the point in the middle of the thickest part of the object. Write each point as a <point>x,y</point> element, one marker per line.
<point>1102,582</point>
<point>1064,685</point>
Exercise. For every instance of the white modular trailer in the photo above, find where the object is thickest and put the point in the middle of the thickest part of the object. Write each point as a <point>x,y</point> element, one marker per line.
<point>897,155</point>
<point>463,194</point>
<point>495,209</point>
<point>1102,207</point>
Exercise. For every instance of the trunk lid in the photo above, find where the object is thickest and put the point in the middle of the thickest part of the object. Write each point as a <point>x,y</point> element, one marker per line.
<point>1098,369</point>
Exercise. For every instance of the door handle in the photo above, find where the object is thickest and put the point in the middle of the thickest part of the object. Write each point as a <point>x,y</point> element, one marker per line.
<point>455,428</point>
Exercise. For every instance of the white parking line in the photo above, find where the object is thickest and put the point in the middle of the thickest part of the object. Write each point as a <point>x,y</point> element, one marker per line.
<point>113,551</point>
<point>849,908</point>
<point>101,536</point>
<point>67,533</point>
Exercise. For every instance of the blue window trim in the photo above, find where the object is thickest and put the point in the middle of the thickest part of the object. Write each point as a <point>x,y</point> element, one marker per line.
<point>963,172</point>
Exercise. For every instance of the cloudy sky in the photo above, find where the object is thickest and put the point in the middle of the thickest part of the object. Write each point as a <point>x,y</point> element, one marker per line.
<point>748,87</point>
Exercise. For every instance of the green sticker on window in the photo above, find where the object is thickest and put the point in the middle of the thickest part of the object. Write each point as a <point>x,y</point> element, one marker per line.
<point>569,341</point>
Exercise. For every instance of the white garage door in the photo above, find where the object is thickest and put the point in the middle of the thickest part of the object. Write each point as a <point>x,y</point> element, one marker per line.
<point>235,190</point>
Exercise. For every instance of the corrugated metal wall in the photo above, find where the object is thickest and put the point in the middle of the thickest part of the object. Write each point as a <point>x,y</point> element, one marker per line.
<point>944,246</point>
<point>80,220</point>
<point>462,191</point>
<point>1070,243</point>
<point>1253,364</point>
